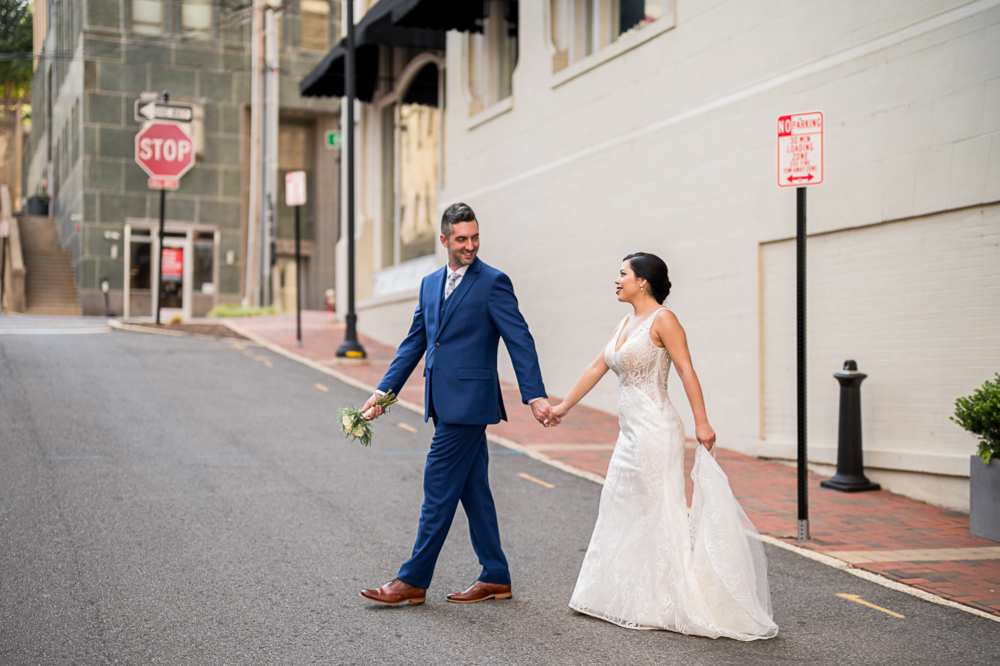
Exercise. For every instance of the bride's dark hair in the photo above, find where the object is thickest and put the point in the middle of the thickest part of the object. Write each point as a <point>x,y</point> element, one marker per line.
<point>651,268</point>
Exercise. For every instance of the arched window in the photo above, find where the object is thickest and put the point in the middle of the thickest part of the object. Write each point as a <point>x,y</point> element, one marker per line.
<point>411,147</point>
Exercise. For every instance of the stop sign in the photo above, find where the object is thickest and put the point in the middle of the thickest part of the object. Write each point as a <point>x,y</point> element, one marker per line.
<point>165,152</point>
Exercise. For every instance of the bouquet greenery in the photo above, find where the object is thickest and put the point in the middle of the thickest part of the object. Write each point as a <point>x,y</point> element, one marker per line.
<point>353,423</point>
<point>979,413</point>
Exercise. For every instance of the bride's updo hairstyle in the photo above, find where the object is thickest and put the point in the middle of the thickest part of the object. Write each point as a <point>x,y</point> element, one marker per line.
<point>651,268</point>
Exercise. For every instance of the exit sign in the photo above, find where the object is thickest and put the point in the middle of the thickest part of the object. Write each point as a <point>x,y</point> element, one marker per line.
<point>334,139</point>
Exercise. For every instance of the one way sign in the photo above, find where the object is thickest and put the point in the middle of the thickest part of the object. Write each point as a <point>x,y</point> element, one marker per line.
<point>149,110</point>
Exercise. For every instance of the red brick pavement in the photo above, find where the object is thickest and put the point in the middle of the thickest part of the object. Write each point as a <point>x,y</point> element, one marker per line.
<point>871,521</point>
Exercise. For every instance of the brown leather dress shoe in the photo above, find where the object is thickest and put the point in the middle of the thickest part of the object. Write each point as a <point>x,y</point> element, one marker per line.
<point>481,591</point>
<point>395,593</point>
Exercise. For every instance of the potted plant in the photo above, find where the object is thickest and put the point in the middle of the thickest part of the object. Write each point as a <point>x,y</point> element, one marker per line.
<point>979,413</point>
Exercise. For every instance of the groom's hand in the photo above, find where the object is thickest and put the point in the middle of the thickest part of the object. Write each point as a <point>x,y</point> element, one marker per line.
<point>376,412</point>
<point>542,411</point>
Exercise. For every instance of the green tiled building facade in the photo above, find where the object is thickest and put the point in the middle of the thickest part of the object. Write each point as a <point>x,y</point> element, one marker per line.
<point>98,57</point>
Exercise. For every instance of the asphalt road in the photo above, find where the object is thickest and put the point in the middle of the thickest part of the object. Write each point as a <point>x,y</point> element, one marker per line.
<point>178,501</point>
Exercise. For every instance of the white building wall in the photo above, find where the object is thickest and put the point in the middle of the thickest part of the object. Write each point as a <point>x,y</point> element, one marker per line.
<point>669,147</point>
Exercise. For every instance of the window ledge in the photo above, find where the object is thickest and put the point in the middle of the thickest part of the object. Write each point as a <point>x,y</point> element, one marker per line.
<point>403,278</point>
<point>378,301</point>
<point>626,43</point>
<point>488,114</point>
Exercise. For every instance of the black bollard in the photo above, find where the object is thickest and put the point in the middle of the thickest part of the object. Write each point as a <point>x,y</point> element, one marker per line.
<point>850,476</point>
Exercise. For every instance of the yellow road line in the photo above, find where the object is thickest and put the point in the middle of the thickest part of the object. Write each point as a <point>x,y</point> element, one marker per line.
<point>407,427</point>
<point>237,345</point>
<point>322,388</point>
<point>265,360</point>
<point>858,600</point>
<point>538,481</point>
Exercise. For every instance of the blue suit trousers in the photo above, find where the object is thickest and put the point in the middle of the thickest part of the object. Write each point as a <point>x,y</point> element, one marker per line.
<point>457,469</point>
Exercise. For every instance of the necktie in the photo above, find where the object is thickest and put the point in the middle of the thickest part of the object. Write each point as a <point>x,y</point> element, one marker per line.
<point>450,287</point>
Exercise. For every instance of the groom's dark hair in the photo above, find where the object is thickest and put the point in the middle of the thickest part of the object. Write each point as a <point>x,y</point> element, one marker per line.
<point>455,213</point>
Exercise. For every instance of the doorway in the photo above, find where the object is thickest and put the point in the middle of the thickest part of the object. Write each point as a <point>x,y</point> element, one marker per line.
<point>190,270</point>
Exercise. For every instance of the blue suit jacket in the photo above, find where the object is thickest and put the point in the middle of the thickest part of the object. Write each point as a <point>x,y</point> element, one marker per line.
<point>460,337</point>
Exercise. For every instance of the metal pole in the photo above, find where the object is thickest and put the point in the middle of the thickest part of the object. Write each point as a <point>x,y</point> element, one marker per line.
<point>252,295</point>
<point>3,264</point>
<point>800,306</point>
<point>269,178</point>
<point>350,347</point>
<point>298,280</point>
<point>159,279</point>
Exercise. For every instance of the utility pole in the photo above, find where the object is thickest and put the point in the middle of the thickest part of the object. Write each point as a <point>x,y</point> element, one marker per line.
<point>270,162</point>
<point>350,348</point>
<point>251,296</point>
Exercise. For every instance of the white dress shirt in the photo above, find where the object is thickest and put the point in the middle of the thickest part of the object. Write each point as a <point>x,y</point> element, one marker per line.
<point>461,274</point>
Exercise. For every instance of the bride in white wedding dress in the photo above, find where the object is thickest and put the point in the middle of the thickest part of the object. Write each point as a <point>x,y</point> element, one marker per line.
<point>651,564</point>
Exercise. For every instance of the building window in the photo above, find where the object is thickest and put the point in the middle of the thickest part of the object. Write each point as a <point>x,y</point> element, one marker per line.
<point>315,25</point>
<point>196,18</point>
<point>583,27</point>
<point>492,56</point>
<point>418,179</point>
<point>410,160</point>
<point>147,17</point>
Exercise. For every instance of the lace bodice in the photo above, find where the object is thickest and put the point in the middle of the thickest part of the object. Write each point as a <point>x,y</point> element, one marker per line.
<point>640,365</point>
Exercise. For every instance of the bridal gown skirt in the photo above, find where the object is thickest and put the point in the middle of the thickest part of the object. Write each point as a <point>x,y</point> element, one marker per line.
<point>651,564</point>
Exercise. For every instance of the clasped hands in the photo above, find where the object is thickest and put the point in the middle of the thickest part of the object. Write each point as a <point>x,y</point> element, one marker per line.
<point>546,414</point>
<point>540,409</point>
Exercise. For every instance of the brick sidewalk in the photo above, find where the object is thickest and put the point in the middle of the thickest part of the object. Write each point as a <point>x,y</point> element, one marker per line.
<point>917,544</point>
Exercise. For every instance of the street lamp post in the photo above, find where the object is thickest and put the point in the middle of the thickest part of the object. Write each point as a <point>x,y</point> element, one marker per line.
<point>350,348</point>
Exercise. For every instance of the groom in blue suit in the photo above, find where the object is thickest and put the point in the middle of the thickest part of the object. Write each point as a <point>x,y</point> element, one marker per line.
<point>463,311</point>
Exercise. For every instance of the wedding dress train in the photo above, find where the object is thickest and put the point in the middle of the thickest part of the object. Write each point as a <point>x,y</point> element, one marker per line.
<point>651,564</point>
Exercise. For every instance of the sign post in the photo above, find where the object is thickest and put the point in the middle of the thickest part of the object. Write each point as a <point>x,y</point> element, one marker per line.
<point>800,163</point>
<point>295,195</point>
<point>165,151</point>
<point>4,232</point>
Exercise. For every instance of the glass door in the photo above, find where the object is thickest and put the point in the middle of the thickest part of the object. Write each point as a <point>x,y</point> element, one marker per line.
<point>175,294</point>
<point>138,272</point>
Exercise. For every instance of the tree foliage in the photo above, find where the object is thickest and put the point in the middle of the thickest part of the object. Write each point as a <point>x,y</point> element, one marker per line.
<point>979,413</point>
<point>15,38</point>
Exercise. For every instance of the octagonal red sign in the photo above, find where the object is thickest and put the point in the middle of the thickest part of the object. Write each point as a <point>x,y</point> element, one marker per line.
<point>166,152</point>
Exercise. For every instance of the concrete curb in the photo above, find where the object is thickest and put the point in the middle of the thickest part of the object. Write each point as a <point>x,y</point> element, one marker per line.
<point>875,578</point>
<point>596,478</point>
<point>120,326</point>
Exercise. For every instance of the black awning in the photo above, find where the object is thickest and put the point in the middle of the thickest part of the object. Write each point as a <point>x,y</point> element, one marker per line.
<point>461,15</point>
<point>327,79</point>
<point>419,24</point>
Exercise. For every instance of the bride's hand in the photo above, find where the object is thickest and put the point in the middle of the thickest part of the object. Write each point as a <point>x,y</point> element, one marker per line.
<point>705,435</point>
<point>559,411</point>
